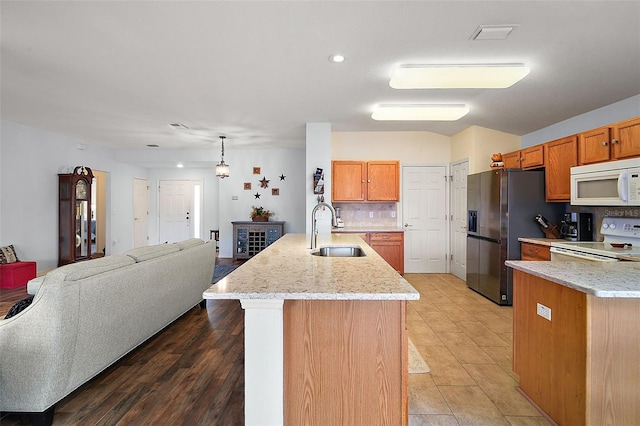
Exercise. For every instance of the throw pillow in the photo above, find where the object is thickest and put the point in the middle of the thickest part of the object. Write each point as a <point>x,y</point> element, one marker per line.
<point>8,255</point>
<point>19,307</point>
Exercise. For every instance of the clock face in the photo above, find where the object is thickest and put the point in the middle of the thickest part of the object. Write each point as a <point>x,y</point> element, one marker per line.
<point>81,190</point>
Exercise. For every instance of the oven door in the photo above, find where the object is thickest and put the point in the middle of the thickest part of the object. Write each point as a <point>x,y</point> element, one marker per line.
<point>559,254</point>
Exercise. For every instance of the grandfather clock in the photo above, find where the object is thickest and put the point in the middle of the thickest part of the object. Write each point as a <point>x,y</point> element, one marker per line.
<point>74,215</point>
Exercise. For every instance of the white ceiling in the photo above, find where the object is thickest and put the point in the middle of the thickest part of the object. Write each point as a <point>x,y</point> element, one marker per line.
<point>117,73</point>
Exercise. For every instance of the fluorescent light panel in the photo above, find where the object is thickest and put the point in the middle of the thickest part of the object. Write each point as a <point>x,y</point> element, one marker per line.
<point>419,112</point>
<point>491,76</point>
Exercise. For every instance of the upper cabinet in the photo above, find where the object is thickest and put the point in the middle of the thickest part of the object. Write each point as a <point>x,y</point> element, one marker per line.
<point>528,158</point>
<point>614,142</point>
<point>365,181</point>
<point>560,156</point>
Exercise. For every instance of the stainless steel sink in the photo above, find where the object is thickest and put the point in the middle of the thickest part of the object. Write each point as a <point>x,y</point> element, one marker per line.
<point>339,251</point>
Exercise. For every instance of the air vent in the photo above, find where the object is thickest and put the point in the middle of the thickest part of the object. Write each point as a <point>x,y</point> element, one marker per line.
<point>492,32</point>
<point>179,126</point>
<point>153,145</point>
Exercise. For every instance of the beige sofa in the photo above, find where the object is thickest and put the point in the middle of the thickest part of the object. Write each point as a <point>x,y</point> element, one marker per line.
<point>87,315</point>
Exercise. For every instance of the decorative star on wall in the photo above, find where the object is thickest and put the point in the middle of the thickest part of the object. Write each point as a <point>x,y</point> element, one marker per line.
<point>282,177</point>
<point>257,195</point>
<point>264,183</point>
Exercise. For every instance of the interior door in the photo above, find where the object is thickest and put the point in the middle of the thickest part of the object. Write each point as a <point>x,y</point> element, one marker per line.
<point>459,172</point>
<point>424,215</point>
<point>140,212</point>
<point>176,201</point>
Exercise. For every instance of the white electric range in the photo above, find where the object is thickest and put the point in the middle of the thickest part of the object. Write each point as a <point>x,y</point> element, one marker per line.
<point>615,230</point>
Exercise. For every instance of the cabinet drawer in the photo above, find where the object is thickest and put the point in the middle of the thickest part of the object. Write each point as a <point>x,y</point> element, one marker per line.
<point>385,236</point>
<point>535,252</point>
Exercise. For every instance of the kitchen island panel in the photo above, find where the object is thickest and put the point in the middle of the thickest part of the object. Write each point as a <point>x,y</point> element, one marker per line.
<point>346,361</point>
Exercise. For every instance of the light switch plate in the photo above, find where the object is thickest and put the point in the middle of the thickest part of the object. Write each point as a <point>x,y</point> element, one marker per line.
<point>543,311</point>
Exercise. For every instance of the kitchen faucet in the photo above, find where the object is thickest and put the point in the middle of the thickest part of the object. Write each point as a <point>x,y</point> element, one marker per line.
<point>314,228</point>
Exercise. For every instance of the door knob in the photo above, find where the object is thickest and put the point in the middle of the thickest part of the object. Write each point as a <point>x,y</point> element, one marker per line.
<point>406,225</point>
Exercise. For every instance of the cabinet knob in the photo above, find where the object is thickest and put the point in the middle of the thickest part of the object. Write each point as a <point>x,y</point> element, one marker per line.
<point>614,141</point>
<point>605,143</point>
<point>369,180</point>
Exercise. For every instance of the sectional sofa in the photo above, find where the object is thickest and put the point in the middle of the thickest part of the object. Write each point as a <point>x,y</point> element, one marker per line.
<point>87,315</point>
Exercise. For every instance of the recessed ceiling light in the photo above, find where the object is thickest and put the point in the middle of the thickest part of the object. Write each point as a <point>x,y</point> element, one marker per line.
<point>179,165</point>
<point>336,58</point>
<point>419,112</point>
<point>481,76</point>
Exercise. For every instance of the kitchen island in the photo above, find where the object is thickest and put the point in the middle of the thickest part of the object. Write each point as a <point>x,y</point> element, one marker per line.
<point>576,339</point>
<point>325,337</point>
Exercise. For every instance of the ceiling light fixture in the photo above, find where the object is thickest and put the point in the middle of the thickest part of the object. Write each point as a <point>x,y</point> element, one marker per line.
<point>336,58</point>
<point>480,76</point>
<point>222,169</point>
<point>419,112</point>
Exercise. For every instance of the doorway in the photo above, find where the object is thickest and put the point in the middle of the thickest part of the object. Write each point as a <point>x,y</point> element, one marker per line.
<point>459,172</point>
<point>180,210</point>
<point>140,212</point>
<point>424,215</point>
<point>98,214</point>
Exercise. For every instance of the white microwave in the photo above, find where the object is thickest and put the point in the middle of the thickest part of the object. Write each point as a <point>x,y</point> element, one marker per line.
<point>614,183</point>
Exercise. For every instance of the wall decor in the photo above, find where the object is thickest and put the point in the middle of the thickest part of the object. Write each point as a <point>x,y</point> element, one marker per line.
<point>256,170</point>
<point>282,176</point>
<point>264,183</point>
<point>256,195</point>
<point>275,191</point>
<point>247,186</point>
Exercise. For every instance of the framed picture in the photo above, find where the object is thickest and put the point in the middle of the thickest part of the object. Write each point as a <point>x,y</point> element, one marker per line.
<point>275,191</point>
<point>256,170</point>
<point>247,186</point>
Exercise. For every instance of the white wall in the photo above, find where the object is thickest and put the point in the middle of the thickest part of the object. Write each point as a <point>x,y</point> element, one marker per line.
<point>407,147</point>
<point>289,206</point>
<point>30,162</point>
<point>619,111</point>
<point>318,155</point>
<point>478,144</point>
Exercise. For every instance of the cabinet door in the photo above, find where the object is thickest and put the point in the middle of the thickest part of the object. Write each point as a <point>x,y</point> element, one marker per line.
<point>511,160</point>
<point>593,146</point>
<point>560,156</point>
<point>383,180</point>
<point>533,157</point>
<point>348,180</point>
<point>390,246</point>
<point>626,139</point>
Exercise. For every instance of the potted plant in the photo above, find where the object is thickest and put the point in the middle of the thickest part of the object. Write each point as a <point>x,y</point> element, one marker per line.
<point>259,214</point>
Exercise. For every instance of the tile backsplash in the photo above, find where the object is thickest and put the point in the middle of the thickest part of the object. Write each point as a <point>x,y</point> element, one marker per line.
<point>368,214</point>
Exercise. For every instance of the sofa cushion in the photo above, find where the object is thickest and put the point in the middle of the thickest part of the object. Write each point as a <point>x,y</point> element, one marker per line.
<point>191,242</point>
<point>8,255</point>
<point>34,285</point>
<point>80,270</point>
<point>141,254</point>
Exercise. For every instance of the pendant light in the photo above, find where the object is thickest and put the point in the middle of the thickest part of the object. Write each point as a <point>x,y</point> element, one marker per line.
<point>222,169</point>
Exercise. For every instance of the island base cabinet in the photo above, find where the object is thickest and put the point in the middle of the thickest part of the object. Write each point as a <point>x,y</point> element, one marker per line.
<point>583,366</point>
<point>346,362</point>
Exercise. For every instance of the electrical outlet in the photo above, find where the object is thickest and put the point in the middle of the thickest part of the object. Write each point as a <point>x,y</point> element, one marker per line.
<point>370,215</point>
<point>393,215</point>
<point>234,197</point>
<point>543,311</point>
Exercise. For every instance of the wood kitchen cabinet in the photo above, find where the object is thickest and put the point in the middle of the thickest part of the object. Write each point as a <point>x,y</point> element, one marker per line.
<point>560,156</point>
<point>365,181</point>
<point>615,142</point>
<point>390,246</point>
<point>526,159</point>
<point>531,251</point>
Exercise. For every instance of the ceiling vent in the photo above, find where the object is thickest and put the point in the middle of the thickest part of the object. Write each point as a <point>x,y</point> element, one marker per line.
<point>492,32</point>
<point>179,126</point>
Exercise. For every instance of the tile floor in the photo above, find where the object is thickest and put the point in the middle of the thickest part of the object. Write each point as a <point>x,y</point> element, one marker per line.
<point>466,340</point>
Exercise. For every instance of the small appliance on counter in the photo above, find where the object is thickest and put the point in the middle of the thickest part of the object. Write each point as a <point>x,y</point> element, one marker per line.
<point>339,222</point>
<point>577,226</point>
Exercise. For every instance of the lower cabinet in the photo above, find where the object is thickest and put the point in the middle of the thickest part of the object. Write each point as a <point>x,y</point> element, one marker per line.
<point>389,245</point>
<point>530,251</point>
<point>250,238</point>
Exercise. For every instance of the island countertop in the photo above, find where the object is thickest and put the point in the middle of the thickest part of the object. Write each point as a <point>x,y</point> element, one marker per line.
<point>600,279</point>
<point>287,270</point>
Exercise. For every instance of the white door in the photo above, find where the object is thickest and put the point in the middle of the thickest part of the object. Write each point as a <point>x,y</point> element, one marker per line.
<point>140,212</point>
<point>459,172</point>
<point>424,215</point>
<point>175,202</point>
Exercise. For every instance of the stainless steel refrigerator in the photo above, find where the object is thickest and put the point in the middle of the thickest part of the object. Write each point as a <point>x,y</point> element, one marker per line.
<point>502,205</point>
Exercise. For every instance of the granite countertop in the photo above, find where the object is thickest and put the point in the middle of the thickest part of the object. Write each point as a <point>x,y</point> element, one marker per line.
<point>368,228</point>
<point>287,270</point>
<point>600,279</point>
<point>540,241</point>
